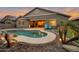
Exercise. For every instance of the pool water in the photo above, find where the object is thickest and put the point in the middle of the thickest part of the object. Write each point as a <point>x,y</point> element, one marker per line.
<point>29,33</point>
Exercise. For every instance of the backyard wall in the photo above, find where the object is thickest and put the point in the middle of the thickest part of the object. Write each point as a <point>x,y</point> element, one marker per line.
<point>6,26</point>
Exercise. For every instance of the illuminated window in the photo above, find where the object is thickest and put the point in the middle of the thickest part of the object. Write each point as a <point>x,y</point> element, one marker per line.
<point>52,22</point>
<point>41,23</point>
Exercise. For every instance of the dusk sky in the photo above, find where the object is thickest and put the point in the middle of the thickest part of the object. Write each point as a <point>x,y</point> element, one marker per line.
<point>19,11</point>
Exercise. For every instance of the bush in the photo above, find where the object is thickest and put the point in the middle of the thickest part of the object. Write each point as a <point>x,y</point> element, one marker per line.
<point>74,25</point>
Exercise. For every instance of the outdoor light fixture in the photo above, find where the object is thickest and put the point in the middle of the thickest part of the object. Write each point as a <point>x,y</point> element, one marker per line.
<point>60,39</point>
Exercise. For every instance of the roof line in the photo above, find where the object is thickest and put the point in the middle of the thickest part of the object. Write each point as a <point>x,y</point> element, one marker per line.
<point>3,19</point>
<point>47,11</point>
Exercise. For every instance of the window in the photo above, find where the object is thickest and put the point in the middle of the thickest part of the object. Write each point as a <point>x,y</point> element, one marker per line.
<point>21,22</point>
<point>8,22</point>
<point>52,22</point>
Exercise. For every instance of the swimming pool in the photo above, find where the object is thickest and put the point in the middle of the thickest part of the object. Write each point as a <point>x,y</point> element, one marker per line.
<point>32,35</point>
<point>29,33</point>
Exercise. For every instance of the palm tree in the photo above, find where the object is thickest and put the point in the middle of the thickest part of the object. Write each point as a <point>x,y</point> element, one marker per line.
<point>63,31</point>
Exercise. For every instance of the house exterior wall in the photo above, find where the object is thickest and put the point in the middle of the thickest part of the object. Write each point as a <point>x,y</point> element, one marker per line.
<point>6,26</point>
<point>56,17</point>
<point>38,14</point>
<point>21,23</point>
<point>24,23</point>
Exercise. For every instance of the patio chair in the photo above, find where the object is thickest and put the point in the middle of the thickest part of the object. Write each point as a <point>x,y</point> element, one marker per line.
<point>48,27</point>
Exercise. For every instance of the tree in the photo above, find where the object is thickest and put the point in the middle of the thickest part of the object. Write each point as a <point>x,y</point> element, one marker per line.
<point>8,42</point>
<point>74,25</point>
<point>63,31</point>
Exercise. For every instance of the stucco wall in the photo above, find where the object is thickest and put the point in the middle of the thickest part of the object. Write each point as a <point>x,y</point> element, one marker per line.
<point>6,26</point>
<point>20,23</point>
